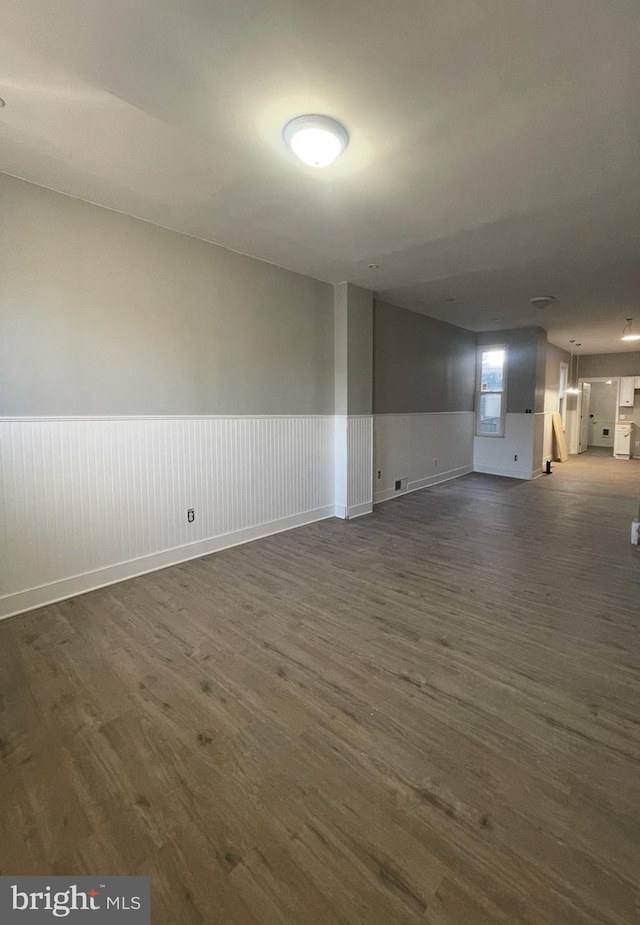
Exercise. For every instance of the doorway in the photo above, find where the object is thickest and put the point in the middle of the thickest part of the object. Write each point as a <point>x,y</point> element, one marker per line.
<point>585,416</point>
<point>597,409</point>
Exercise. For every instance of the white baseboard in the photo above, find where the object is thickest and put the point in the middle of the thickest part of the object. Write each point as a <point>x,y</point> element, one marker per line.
<point>537,473</point>
<point>359,510</point>
<point>388,493</point>
<point>505,473</point>
<point>21,601</point>
<point>356,510</point>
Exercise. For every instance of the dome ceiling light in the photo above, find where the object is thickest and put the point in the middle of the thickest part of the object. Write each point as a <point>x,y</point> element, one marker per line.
<point>316,140</point>
<point>543,301</point>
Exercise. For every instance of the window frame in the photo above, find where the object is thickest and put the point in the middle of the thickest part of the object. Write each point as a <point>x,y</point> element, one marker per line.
<point>487,348</point>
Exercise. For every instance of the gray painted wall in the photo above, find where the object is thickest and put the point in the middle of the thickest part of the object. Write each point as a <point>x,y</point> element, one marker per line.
<point>526,366</point>
<point>609,364</point>
<point>420,364</point>
<point>360,339</point>
<point>555,356</point>
<point>104,314</point>
<point>353,337</point>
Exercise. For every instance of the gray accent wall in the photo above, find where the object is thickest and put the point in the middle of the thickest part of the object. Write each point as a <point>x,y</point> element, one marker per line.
<point>555,356</point>
<point>360,339</point>
<point>420,364</point>
<point>103,314</point>
<point>353,337</point>
<point>609,364</point>
<point>526,366</point>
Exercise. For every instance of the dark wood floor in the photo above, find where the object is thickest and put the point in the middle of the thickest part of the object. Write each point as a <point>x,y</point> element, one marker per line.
<point>427,715</point>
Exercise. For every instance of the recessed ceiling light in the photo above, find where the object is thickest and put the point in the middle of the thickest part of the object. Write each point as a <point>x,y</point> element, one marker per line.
<point>627,333</point>
<point>543,301</point>
<point>317,140</point>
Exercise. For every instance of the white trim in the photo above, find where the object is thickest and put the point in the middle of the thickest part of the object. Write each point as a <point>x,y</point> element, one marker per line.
<point>31,598</point>
<point>505,473</point>
<point>418,484</point>
<point>359,510</point>
<point>538,472</point>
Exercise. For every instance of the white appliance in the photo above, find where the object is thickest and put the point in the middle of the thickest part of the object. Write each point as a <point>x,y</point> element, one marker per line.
<point>622,441</point>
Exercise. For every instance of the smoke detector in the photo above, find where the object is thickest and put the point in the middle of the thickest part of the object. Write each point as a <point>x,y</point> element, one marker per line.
<point>543,301</point>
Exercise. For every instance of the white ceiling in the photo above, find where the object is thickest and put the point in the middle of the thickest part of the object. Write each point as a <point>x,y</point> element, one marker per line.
<point>494,155</point>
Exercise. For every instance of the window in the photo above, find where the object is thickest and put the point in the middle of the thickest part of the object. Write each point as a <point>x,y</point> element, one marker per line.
<point>491,397</point>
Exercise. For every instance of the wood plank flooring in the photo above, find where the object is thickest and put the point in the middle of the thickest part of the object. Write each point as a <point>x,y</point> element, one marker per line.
<point>429,715</point>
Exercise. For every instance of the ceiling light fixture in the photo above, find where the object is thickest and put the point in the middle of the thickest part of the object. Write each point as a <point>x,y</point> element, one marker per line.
<point>373,266</point>
<point>627,334</point>
<point>543,301</point>
<point>317,140</point>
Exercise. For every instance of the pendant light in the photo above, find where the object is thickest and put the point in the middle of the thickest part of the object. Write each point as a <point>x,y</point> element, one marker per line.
<point>627,333</point>
<point>573,387</point>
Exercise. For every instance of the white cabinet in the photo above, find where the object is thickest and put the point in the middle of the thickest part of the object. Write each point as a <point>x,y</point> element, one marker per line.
<point>627,385</point>
<point>637,382</point>
<point>622,441</point>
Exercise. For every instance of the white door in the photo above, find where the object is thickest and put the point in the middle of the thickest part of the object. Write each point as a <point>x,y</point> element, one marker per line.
<point>585,401</point>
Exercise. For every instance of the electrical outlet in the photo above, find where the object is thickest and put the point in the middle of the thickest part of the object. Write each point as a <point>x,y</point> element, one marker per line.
<point>379,474</point>
<point>398,485</point>
<point>191,515</point>
<point>435,463</point>
<point>515,458</point>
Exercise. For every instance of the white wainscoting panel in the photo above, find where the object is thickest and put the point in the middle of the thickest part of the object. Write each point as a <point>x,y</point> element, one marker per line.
<point>85,502</point>
<point>540,430</point>
<point>341,465</point>
<point>353,465</point>
<point>360,465</point>
<point>406,445</point>
<point>495,455</point>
